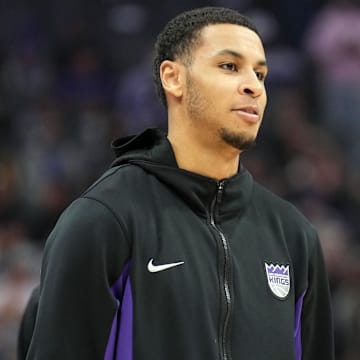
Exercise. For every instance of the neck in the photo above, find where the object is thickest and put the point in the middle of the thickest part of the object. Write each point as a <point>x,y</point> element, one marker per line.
<point>207,159</point>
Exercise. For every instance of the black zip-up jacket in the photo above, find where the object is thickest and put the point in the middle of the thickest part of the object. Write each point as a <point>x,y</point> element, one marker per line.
<point>156,263</point>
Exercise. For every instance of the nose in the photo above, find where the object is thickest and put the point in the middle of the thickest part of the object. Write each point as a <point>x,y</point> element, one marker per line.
<point>251,85</point>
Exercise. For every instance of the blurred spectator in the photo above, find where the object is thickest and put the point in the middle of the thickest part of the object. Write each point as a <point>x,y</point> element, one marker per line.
<point>333,44</point>
<point>19,273</point>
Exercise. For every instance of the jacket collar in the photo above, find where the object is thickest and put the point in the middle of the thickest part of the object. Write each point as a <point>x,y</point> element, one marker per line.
<point>152,151</point>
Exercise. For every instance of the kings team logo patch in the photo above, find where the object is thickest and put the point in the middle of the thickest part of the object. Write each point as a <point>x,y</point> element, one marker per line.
<point>278,277</point>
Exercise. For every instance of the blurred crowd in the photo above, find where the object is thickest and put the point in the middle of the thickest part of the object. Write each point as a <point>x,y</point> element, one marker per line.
<point>74,75</point>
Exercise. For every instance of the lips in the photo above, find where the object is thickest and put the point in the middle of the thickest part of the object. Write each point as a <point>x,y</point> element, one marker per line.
<point>248,113</point>
<point>250,110</point>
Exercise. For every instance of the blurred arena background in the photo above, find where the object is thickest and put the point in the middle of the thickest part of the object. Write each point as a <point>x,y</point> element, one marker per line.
<point>75,75</point>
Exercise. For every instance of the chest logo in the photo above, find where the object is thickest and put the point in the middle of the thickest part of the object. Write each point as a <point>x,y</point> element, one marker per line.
<point>156,268</point>
<point>278,277</point>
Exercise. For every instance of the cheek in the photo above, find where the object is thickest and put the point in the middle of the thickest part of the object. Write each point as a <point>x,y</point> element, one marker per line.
<point>201,96</point>
<point>196,100</point>
<point>263,102</point>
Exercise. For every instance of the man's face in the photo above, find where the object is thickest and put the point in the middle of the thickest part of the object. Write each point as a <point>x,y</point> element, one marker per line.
<point>225,95</point>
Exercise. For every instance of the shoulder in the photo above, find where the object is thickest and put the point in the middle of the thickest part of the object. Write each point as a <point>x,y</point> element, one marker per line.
<point>119,183</point>
<point>110,179</point>
<point>88,233</point>
<point>271,202</point>
<point>95,212</point>
<point>283,214</point>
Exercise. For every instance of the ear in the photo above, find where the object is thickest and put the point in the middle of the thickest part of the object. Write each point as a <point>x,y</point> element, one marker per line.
<point>171,78</point>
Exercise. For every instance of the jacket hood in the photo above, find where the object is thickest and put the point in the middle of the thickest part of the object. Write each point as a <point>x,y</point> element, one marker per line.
<point>152,151</point>
<point>150,145</point>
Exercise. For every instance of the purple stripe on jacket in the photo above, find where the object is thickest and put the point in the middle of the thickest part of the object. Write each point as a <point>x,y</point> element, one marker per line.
<point>297,327</point>
<point>119,346</point>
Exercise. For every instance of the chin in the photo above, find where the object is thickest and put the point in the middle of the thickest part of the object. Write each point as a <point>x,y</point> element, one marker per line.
<point>239,141</point>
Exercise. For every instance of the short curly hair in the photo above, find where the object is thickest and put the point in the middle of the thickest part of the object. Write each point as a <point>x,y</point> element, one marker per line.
<point>182,34</point>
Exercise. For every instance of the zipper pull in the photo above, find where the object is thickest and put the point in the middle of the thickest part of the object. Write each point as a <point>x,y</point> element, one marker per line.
<point>220,188</point>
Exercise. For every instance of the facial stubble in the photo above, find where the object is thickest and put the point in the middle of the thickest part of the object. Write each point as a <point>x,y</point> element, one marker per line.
<point>198,106</point>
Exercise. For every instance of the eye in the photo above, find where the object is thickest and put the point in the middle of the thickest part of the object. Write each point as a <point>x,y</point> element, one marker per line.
<point>260,75</point>
<point>229,66</point>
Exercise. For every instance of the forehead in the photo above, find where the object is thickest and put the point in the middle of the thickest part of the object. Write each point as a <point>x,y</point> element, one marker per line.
<point>217,37</point>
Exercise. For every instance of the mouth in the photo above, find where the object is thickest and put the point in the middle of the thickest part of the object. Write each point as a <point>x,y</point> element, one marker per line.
<point>248,113</point>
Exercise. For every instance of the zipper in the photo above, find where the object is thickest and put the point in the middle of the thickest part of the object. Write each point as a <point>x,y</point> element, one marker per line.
<point>226,272</point>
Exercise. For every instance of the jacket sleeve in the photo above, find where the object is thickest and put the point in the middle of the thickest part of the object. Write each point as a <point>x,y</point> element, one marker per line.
<point>27,325</point>
<point>316,319</point>
<point>84,255</point>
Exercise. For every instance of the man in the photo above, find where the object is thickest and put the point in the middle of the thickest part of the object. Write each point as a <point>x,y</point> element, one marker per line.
<point>175,252</point>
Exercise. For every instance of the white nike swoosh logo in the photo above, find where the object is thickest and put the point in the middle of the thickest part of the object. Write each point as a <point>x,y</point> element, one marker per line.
<point>156,268</point>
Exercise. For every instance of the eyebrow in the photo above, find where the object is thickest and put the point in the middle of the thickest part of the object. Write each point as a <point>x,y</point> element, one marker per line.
<point>239,56</point>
